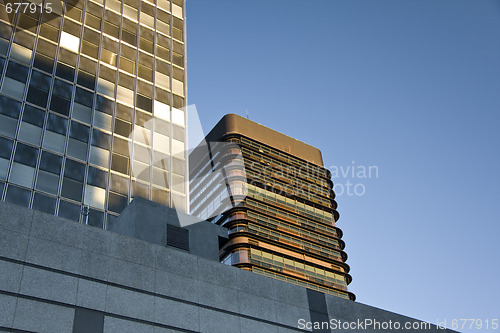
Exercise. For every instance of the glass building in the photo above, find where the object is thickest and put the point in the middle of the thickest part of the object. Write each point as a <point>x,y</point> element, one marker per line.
<point>91,106</point>
<point>276,198</point>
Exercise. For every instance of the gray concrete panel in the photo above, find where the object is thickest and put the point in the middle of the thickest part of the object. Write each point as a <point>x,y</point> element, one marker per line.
<point>290,293</point>
<point>55,229</point>
<point>10,276</point>
<point>220,274</point>
<point>255,284</point>
<point>7,309</point>
<point>131,275</point>
<point>14,244</point>
<point>178,262</point>
<point>253,326</point>
<point>218,296</point>
<point>93,239</point>
<point>256,306</point>
<point>217,322</point>
<point>129,303</point>
<point>15,218</point>
<point>91,295</point>
<point>48,285</point>
<point>290,315</point>
<point>177,314</point>
<point>50,254</point>
<point>92,264</point>
<point>177,286</point>
<point>43,317</point>
<point>114,325</point>
<point>132,250</point>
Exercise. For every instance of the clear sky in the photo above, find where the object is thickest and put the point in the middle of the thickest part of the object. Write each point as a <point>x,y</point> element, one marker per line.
<point>411,87</point>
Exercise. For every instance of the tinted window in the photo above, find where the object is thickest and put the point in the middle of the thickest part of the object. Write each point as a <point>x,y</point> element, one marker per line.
<point>37,96</point>
<point>18,196</point>
<point>95,218</point>
<point>60,105</point>
<point>79,131</point>
<point>63,89</point>
<point>84,97</point>
<point>57,124</point>
<point>101,139</point>
<point>9,107</point>
<point>44,203</point>
<point>74,170</point>
<point>97,177</point>
<point>40,80</point>
<point>64,71</point>
<point>33,115</point>
<point>26,154</point>
<point>17,72</point>
<point>69,210</point>
<point>50,162</point>
<point>5,147</point>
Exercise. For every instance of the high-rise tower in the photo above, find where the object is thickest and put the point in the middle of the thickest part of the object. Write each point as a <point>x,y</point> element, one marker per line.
<point>274,195</point>
<point>91,98</point>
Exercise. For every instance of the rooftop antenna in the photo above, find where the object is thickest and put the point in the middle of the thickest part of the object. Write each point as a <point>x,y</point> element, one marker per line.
<point>246,111</point>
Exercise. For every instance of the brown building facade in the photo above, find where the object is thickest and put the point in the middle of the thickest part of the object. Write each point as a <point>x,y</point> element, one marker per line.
<point>274,195</point>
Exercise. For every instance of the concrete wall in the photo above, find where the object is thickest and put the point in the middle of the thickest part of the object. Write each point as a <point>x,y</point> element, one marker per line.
<point>60,276</point>
<point>147,220</point>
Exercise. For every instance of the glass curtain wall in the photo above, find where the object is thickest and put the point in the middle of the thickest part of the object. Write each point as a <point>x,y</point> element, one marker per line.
<point>91,106</point>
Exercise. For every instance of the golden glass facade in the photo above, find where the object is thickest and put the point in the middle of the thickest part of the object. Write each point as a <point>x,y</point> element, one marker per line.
<point>279,209</point>
<point>91,106</point>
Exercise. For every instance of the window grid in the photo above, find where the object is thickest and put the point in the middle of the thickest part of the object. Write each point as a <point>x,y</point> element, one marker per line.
<point>65,70</point>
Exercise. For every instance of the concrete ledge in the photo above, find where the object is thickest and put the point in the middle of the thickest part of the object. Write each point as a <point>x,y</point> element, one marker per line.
<point>52,267</point>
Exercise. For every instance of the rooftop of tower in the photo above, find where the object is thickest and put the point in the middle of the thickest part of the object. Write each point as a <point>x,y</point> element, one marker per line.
<point>235,124</point>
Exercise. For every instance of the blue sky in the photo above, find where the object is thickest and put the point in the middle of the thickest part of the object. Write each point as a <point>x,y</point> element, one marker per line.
<point>411,87</point>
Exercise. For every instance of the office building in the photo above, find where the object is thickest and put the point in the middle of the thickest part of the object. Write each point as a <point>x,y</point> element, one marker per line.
<point>91,106</point>
<point>274,195</point>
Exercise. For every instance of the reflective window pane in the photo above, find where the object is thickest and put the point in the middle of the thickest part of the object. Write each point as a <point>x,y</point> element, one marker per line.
<point>47,182</point>
<point>22,175</point>
<point>97,177</point>
<point>74,170</point>
<point>5,147</point>
<point>30,133</point>
<point>44,203</point>
<point>95,196</point>
<point>53,141</point>
<point>64,71</point>
<point>119,184</point>
<point>101,139</point>
<point>50,162</point>
<point>4,167</point>
<point>72,189</point>
<point>60,105</point>
<point>69,210</point>
<point>99,156</point>
<point>9,107</point>
<point>26,154</point>
<point>120,163</point>
<point>117,202</point>
<point>13,88</point>
<point>33,115</point>
<point>77,149</point>
<point>84,97</point>
<point>18,196</point>
<point>17,72</point>
<point>79,132</point>
<point>57,124</point>
<point>96,218</point>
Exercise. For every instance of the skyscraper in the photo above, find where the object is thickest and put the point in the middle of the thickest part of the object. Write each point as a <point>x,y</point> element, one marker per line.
<point>274,195</point>
<point>91,106</point>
